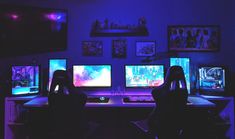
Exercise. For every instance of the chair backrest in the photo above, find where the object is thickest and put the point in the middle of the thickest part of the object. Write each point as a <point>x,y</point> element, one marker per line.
<point>171,102</point>
<point>62,80</point>
<point>66,110</point>
<point>175,78</point>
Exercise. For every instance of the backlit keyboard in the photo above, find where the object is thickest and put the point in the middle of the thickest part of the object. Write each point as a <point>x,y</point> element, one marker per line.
<point>142,99</point>
<point>138,99</point>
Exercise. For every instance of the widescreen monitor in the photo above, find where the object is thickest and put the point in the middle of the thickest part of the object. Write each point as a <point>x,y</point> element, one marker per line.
<point>185,64</point>
<point>55,64</point>
<point>144,75</point>
<point>212,80</point>
<point>25,80</point>
<point>92,75</point>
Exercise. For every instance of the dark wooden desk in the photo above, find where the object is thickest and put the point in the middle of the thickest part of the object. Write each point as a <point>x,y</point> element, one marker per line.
<point>115,113</point>
<point>117,109</point>
<point>116,102</point>
<point>201,109</point>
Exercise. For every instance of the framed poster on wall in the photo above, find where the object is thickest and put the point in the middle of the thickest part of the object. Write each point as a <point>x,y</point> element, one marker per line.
<point>194,38</point>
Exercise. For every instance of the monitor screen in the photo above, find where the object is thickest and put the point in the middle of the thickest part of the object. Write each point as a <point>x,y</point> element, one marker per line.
<point>27,30</point>
<point>212,79</point>
<point>144,75</point>
<point>55,64</point>
<point>92,75</point>
<point>25,80</point>
<point>184,63</point>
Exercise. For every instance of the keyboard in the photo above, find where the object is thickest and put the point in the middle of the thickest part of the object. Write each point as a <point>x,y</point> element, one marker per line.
<point>97,99</point>
<point>142,99</point>
<point>138,99</point>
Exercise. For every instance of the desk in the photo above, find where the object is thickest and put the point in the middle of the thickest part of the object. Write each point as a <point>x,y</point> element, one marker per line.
<point>115,113</point>
<point>119,109</point>
<point>116,101</point>
<point>198,106</point>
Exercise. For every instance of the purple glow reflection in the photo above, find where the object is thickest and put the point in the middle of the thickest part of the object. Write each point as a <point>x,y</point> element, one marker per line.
<point>58,17</point>
<point>13,16</point>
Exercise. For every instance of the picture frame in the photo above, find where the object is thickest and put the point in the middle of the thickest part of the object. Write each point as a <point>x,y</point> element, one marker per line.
<point>194,38</point>
<point>145,48</point>
<point>119,48</point>
<point>92,48</point>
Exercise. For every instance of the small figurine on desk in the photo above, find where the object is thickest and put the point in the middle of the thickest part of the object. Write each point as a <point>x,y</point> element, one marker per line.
<point>106,23</point>
<point>142,21</point>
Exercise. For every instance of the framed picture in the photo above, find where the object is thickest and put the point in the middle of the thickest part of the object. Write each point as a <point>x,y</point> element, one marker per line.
<point>194,38</point>
<point>92,48</point>
<point>119,48</point>
<point>145,48</point>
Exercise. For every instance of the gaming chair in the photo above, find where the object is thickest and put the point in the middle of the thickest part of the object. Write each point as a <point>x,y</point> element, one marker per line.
<point>66,108</point>
<point>167,119</point>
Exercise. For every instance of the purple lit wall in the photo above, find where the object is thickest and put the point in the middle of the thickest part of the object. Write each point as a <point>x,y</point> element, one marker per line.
<point>158,14</point>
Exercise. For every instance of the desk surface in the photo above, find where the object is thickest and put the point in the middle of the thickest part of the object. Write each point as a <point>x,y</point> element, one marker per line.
<point>117,101</point>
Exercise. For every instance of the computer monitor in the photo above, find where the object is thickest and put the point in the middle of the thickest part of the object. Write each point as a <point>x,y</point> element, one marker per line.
<point>25,80</point>
<point>144,75</point>
<point>92,75</point>
<point>212,80</point>
<point>184,63</point>
<point>55,64</point>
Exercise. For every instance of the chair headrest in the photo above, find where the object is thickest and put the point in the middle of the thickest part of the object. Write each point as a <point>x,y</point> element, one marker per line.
<point>175,73</point>
<point>60,74</point>
<point>60,78</point>
<point>175,78</point>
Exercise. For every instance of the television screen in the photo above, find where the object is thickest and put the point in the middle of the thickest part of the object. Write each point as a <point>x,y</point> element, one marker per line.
<point>25,29</point>
<point>184,63</point>
<point>55,64</point>
<point>92,75</point>
<point>144,75</point>
<point>25,80</point>
<point>212,79</point>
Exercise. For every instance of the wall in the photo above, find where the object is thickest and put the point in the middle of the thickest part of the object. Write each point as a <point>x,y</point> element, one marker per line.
<point>159,15</point>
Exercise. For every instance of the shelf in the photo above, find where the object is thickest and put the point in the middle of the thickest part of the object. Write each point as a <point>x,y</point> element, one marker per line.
<point>223,124</point>
<point>21,98</point>
<point>119,32</point>
<point>16,124</point>
<point>217,97</point>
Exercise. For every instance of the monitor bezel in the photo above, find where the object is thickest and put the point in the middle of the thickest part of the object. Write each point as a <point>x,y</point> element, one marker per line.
<point>48,77</point>
<point>211,92</point>
<point>39,76</point>
<point>91,87</point>
<point>164,72</point>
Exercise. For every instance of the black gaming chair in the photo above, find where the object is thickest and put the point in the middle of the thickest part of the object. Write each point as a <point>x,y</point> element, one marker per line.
<point>66,108</point>
<point>167,119</point>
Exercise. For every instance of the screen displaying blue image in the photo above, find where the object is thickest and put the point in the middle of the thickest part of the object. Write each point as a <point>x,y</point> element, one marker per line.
<point>92,75</point>
<point>55,64</point>
<point>212,78</point>
<point>184,63</point>
<point>144,75</point>
<point>25,80</point>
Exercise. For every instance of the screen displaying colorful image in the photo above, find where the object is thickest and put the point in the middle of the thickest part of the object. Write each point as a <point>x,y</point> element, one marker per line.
<point>184,63</point>
<point>212,79</point>
<point>55,64</point>
<point>92,75</point>
<point>144,75</point>
<point>25,80</point>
